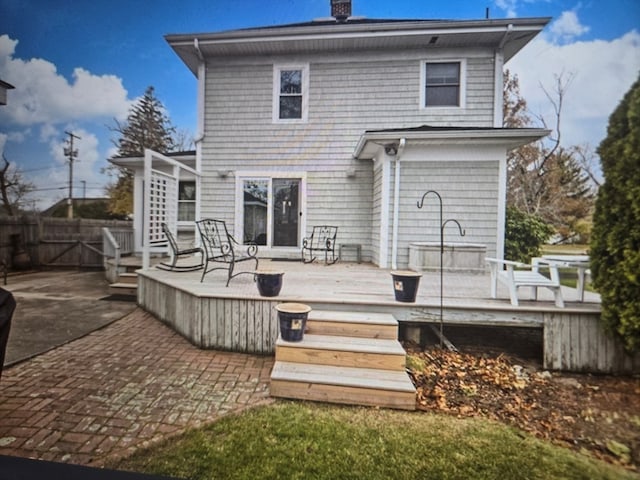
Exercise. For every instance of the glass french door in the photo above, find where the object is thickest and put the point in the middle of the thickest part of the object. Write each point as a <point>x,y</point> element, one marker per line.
<point>271,211</point>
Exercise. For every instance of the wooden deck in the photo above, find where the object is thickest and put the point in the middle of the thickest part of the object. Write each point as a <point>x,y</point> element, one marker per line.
<point>237,318</point>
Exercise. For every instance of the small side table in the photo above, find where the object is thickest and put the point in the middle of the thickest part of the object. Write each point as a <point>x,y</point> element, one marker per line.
<point>354,246</point>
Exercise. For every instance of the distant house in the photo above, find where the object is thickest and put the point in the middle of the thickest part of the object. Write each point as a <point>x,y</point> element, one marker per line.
<point>346,122</point>
<point>4,86</point>
<point>95,208</point>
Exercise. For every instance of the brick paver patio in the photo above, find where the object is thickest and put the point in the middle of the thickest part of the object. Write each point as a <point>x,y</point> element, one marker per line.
<point>126,386</point>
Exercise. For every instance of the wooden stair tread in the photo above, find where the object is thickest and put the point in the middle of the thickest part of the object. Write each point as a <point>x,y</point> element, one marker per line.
<point>128,278</point>
<point>350,344</point>
<point>343,376</point>
<point>353,317</point>
<point>124,285</point>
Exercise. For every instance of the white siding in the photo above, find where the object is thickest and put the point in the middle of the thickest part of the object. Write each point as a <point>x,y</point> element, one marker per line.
<point>469,195</point>
<point>348,95</point>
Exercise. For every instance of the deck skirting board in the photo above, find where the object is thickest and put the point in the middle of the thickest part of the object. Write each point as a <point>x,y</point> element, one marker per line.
<point>573,338</point>
<point>577,343</point>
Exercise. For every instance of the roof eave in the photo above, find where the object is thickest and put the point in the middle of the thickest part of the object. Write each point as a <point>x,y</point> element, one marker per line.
<point>518,32</point>
<point>509,138</point>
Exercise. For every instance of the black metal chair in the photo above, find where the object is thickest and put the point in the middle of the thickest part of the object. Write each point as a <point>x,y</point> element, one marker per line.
<point>7,307</point>
<point>176,253</point>
<point>322,239</point>
<point>221,248</point>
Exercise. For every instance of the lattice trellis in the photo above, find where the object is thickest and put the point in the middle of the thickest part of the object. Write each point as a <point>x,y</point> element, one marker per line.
<point>160,198</point>
<point>163,203</point>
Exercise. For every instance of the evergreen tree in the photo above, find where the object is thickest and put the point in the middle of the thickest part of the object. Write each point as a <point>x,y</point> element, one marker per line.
<point>615,242</point>
<point>147,126</point>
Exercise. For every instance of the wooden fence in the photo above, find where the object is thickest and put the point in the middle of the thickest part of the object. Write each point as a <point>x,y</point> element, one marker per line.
<point>40,242</point>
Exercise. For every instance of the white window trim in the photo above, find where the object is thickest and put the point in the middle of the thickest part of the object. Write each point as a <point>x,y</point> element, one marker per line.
<point>187,223</point>
<point>269,175</point>
<point>304,68</point>
<point>463,84</point>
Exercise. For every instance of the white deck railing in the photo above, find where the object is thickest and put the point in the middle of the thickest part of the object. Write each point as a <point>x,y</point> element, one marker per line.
<point>116,243</point>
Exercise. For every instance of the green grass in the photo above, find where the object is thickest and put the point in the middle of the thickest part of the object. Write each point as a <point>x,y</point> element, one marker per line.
<point>311,441</point>
<point>565,249</point>
<point>568,276</point>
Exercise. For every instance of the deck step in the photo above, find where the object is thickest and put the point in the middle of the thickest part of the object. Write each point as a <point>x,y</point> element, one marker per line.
<point>128,277</point>
<point>352,324</point>
<point>345,385</point>
<point>384,354</point>
<point>121,288</point>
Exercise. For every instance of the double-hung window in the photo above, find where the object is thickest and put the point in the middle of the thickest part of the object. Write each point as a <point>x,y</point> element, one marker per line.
<point>443,84</point>
<point>186,201</point>
<point>291,91</point>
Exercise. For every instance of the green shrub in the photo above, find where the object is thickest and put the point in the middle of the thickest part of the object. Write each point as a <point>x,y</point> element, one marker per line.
<point>524,235</point>
<point>615,239</point>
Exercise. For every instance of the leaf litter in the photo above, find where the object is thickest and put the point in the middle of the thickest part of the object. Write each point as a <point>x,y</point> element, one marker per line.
<point>595,415</point>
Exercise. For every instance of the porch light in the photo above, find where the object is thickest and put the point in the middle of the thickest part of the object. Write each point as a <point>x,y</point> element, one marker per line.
<point>391,149</point>
<point>224,173</point>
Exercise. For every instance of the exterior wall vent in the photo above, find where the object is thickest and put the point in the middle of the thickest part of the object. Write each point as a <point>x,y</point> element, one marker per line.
<point>341,9</point>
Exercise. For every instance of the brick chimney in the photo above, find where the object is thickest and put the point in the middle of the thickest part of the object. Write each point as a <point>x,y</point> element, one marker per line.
<point>341,9</point>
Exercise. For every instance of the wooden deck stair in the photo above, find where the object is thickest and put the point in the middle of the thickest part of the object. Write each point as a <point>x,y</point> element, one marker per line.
<point>127,284</point>
<point>345,357</point>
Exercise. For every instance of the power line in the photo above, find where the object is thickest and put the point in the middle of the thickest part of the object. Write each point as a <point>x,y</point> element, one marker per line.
<point>42,168</point>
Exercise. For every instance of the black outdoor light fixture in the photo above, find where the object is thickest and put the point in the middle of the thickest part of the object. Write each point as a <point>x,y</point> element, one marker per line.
<point>341,9</point>
<point>391,149</point>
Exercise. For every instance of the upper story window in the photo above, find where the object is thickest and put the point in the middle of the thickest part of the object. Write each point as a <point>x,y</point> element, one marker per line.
<point>291,91</point>
<point>443,84</point>
<point>186,201</point>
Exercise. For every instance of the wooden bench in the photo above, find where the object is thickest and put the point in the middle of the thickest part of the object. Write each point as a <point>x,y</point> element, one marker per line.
<point>322,239</point>
<point>221,248</point>
<point>176,253</point>
<point>526,276</point>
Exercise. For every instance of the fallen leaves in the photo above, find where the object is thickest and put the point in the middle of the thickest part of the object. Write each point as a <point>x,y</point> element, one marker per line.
<point>594,414</point>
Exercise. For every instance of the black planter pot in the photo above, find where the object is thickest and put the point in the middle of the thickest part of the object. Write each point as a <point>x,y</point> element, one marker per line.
<point>405,285</point>
<point>269,283</point>
<point>293,320</point>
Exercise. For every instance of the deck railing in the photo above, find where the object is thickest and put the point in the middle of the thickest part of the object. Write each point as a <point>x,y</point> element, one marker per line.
<point>116,243</point>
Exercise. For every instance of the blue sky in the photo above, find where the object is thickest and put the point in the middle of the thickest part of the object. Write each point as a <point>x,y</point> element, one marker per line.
<point>79,64</point>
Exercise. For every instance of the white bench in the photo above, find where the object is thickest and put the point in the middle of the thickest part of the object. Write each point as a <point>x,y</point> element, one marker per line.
<point>528,276</point>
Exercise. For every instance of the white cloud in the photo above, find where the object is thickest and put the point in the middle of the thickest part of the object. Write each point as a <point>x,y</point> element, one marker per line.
<point>509,7</point>
<point>602,71</point>
<point>42,95</point>
<point>567,27</point>
<point>45,104</point>
<point>47,131</point>
<point>15,137</point>
<point>52,184</point>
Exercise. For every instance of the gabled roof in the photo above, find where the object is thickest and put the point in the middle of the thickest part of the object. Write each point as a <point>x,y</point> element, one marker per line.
<point>356,34</point>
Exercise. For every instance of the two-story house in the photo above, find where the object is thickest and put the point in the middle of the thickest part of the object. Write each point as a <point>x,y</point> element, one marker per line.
<point>344,121</point>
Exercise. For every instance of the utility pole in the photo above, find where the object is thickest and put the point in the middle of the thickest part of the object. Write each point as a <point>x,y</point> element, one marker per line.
<point>84,188</point>
<point>71,153</point>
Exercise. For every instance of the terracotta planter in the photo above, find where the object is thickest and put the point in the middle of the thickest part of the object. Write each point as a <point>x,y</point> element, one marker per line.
<point>405,285</point>
<point>293,320</point>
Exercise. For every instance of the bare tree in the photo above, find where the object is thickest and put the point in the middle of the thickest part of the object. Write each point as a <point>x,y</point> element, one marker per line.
<point>13,188</point>
<point>545,179</point>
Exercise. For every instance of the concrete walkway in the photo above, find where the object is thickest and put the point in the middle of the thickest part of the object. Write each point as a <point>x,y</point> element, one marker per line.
<point>122,387</point>
<point>55,307</point>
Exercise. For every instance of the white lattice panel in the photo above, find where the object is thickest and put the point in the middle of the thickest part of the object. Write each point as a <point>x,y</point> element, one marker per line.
<point>163,203</point>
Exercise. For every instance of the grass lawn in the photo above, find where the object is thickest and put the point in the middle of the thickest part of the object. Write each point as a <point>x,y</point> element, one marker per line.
<point>297,440</point>
<point>567,276</point>
<point>565,249</point>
